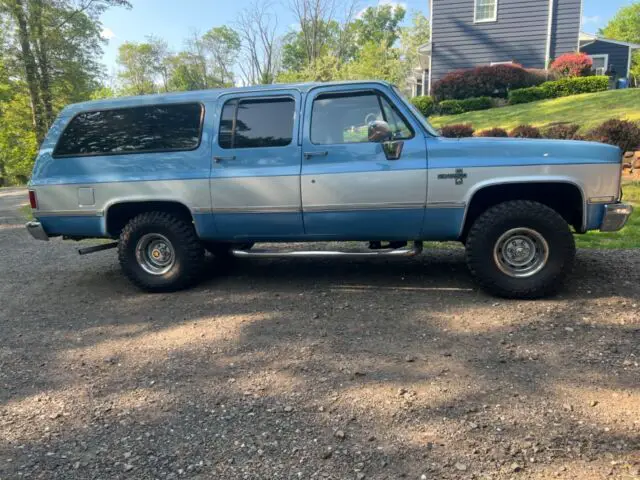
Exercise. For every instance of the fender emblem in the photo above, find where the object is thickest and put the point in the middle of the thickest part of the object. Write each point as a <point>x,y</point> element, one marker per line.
<point>459,176</point>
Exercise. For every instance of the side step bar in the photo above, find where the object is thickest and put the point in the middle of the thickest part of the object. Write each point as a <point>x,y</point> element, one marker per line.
<point>400,252</point>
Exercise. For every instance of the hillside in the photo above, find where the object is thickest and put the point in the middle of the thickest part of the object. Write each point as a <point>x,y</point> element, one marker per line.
<point>588,110</point>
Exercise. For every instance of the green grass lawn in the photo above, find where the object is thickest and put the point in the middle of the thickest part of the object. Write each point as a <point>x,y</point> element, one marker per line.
<point>628,237</point>
<point>588,110</point>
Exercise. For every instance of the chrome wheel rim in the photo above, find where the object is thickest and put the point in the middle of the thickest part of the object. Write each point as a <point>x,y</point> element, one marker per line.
<point>521,252</point>
<point>155,254</point>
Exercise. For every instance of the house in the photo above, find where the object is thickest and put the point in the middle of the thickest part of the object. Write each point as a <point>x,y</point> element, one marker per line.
<point>470,33</point>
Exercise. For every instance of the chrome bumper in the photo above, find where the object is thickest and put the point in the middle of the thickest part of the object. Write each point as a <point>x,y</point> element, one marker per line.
<point>615,216</point>
<point>36,231</point>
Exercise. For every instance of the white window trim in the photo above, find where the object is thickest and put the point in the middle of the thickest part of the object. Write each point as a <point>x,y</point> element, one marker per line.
<point>502,63</point>
<point>484,20</point>
<point>602,55</point>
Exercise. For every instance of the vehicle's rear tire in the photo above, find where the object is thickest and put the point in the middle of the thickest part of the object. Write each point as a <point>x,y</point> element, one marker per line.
<point>160,253</point>
<point>520,249</point>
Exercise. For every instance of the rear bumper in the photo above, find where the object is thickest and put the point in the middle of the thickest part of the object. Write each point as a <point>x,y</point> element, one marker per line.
<point>615,216</point>
<point>36,231</point>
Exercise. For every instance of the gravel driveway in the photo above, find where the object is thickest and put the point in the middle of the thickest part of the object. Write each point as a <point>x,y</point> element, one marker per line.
<point>336,369</point>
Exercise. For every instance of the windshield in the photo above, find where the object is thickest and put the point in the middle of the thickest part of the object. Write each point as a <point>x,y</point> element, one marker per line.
<point>425,123</point>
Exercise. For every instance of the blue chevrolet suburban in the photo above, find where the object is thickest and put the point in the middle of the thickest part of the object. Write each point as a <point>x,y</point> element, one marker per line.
<point>172,176</point>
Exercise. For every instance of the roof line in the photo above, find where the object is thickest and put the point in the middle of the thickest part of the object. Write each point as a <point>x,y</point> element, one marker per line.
<point>591,36</point>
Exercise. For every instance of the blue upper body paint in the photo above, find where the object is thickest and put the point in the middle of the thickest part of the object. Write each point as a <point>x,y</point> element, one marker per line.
<point>424,151</point>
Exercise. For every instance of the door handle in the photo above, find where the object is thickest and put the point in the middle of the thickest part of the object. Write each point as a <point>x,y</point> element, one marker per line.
<point>308,155</point>
<point>221,159</point>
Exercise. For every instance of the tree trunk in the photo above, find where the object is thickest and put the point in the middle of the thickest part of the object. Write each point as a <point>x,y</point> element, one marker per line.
<point>43,61</point>
<point>30,68</point>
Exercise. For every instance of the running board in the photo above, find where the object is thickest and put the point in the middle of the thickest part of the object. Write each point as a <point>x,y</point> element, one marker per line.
<point>400,252</point>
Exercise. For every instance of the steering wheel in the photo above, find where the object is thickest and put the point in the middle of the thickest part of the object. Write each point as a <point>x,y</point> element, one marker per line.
<point>371,117</point>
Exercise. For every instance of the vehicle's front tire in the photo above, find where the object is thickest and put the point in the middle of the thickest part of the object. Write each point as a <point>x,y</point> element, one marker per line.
<point>520,249</point>
<point>159,252</point>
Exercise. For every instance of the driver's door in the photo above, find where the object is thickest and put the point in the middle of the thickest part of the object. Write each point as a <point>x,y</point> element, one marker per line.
<point>352,189</point>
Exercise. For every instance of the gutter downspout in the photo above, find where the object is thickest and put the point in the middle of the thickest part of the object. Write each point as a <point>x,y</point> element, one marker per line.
<point>431,42</point>
<point>547,59</point>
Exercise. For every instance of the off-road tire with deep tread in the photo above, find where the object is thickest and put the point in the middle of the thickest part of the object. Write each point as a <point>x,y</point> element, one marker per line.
<point>189,252</point>
<point>497,220</point>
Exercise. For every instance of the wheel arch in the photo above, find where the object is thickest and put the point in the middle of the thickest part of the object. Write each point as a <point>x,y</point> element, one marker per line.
<point>563,194</point>
<point>119,212</point>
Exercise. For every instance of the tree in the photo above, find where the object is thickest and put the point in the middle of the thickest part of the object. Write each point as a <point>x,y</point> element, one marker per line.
<point>138,68</point>
<point>261,47</point>
<point>43,33</point>
<point>161,60</point>
<point>222,44</point>
<point>625,26</point>
<point>413,37</point>
<point>186,73</point>
<point>375,61</point>
<point>380,25</point>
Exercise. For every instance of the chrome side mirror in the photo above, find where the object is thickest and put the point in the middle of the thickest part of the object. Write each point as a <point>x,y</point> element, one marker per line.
<point>380,132</point>
<point>393,150</point>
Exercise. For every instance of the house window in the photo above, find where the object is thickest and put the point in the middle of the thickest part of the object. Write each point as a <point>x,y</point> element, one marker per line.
<point>486,10</point>
<point>600,63</point>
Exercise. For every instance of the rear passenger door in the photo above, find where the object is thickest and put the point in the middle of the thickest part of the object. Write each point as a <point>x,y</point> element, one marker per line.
<point>255,178</point>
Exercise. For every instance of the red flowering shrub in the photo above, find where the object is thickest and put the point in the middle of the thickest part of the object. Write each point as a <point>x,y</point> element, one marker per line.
<point>459,130</point>
<point>495,81</point>
<point>562,131</point>
<point>572,65</point>
<point>493,132</point>
<point>525,131</point>
<point>621,133</point>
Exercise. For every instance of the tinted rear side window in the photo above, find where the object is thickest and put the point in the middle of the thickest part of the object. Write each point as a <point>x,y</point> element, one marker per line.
<point>154,128</point>
<point>253,123</point>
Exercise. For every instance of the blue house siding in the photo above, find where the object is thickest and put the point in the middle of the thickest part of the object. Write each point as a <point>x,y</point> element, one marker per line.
<point>520,35</point>
<point>565,27</point>
<point>618,55</point>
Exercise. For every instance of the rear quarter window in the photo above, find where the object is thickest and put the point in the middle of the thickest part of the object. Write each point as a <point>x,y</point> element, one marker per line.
<point>149,128</point>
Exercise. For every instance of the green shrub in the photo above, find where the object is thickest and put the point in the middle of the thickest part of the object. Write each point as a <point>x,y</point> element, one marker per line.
<point>575,86</point>
<point>460,130</point>
<point>621,133</point>
<point>493,132</point>
<point>450,107</point>
<point>525,131</point>
<point>425,104</point>
<point>526,95</point>
<point>455,107</point>
<point>559,88</point>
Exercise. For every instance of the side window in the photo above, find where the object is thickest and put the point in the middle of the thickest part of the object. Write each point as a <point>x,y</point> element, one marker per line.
<point>345,117</point>
<point>399,127</point>
<point>259,122</point>
<point>153,128</point>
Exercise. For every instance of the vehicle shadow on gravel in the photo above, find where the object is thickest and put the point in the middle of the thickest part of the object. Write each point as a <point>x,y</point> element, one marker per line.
<point>334,369</point>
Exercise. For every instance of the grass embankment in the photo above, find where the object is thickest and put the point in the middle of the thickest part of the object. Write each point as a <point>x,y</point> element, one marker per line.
<point>588,111</point>
<point>628,237</point>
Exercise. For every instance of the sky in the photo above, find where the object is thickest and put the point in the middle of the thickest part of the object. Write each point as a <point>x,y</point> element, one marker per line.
<point>175,20</point>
